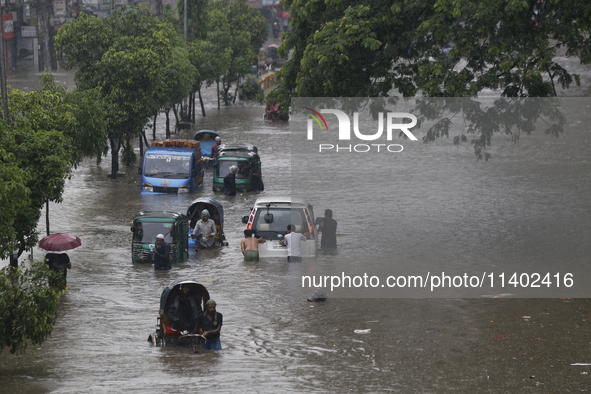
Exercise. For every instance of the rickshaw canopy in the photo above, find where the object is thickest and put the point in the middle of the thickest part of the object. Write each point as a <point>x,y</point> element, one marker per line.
<point>214,207</point>
<point>199,288</point>
<point>206,139</point>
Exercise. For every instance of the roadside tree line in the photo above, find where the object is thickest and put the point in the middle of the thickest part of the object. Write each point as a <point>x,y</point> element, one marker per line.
<point>433,48</point>
<point>129,67</point>
<point>141,65</point>
<point>47,133</point>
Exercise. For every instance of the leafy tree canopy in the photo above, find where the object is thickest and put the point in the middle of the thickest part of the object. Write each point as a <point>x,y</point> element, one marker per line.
<point>437,47</point>
<point>432,48</point>
<point>50,131</point>
<point>14,197</point>
<point>237,31</point>
<point>136,62</point>
<point>28,307</point>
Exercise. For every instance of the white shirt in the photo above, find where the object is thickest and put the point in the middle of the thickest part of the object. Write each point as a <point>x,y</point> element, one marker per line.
<point>294,246</point>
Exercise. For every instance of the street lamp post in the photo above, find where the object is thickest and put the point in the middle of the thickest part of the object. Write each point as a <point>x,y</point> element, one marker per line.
<point>184,115</point>
<point>3,67</point>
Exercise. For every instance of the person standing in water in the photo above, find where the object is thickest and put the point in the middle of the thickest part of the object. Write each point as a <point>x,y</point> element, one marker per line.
<point>250,246</point>
<point>328,228</point>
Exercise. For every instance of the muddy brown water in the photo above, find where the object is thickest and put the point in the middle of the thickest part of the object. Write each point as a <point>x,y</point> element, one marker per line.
<point>276,341</point>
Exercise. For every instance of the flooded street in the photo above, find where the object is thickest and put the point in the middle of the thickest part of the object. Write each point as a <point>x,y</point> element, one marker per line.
<point>530,205</point>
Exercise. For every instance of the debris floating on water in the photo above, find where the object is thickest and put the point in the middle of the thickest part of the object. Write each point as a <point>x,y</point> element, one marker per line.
<point>318,296</point>
<point>362,331</point>
<point>500,295</point>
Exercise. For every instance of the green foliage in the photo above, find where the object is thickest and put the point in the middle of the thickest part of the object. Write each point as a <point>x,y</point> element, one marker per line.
<point>250,88</point>
<point>137,63</point>
<point>178,76</point>
<point>236,31</point>
<point>88,131</point>
<point>209,61</point>
<point>196,19</point>
<point>46,159</point>
<point>14,197</point>
<point>50,131</point>
<point>434,48</point>
<point>28,307</point>
<point>79,115</point>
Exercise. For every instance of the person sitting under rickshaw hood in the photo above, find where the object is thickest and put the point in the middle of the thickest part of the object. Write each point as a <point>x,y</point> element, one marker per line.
<point>205,230</point>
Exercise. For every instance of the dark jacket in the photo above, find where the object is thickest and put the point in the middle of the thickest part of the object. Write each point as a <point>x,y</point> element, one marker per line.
<point>230,184</point>
<point>162,257</point>
<point>329,233</point>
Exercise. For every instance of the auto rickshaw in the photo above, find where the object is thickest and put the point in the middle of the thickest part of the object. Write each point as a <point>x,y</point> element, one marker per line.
<point>216,213</point>
<point>273,58</point>
<point>147,224</point>
<point>181,302</point>
<point>246,158</point>
<point>206,139</point>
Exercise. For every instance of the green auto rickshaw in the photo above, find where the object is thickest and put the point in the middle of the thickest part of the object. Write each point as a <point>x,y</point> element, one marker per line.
<point>246,158</point>
<point>147,224</point>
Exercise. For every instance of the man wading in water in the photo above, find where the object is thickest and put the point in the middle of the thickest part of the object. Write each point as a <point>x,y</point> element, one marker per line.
<point>250,246</point>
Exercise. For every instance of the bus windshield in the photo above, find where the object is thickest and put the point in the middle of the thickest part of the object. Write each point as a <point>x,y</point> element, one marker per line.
<point>167,166</point>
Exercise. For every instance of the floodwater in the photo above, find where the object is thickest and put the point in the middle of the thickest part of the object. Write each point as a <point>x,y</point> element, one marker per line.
<point>273,339</point>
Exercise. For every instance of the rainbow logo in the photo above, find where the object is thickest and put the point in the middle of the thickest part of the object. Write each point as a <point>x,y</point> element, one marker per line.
<point>317,117</point>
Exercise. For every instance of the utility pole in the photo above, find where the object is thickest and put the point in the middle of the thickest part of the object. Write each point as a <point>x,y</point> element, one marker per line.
<point>184,105</point>
<point>3,67</point>
<point>185,21</point>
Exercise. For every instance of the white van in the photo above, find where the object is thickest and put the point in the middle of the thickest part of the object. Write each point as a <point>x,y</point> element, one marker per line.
<point>269,218</point>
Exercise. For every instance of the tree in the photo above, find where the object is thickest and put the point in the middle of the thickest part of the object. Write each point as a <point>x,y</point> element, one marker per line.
<point>438,47</point>
<point>433,48</point>
<point>238,30</point>
<point>208,60</point>
<point>125,56</point>
<point>45,156</point>
<point>28,307</point>
<point>79,115</point>
<point>196,18</point>
<point>14,197</point>
<point>178,76</point>
<point>50,131</point>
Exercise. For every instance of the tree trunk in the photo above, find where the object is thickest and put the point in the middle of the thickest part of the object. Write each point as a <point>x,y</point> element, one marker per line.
<point>167,123</point>
<point>176,119</point>
<point>218,85</point>
<point>47,217</point>
<point>201,102</point>
<point>154,127</point>
<point>141,141</point>
<point>13,261</point>
<point>128,155</point>
<point>146,140</point>
<point>115,146</point>
<point>193,107</point>
<point>236,91</point>
<point>226,85</point>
